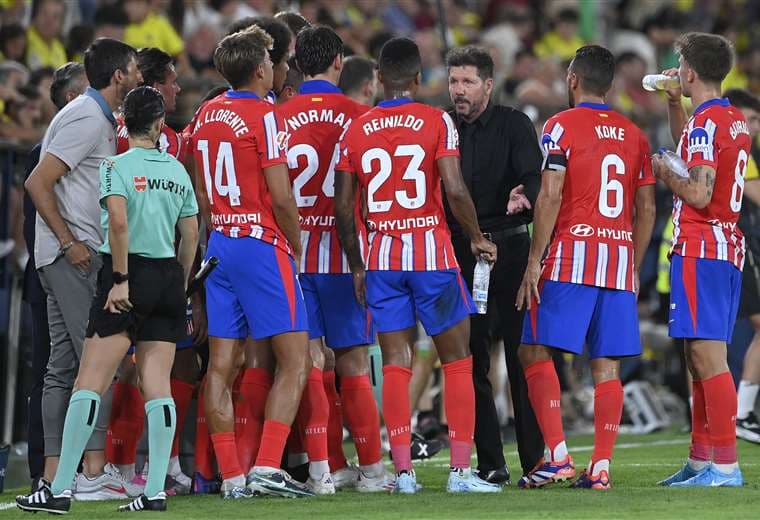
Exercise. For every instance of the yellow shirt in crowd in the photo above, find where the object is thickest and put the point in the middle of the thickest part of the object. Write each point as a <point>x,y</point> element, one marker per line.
<point>553,45</point>
<point>154,31</point>
<point>41,54</point>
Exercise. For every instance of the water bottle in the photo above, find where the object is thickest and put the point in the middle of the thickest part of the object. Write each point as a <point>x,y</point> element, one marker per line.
<point>480,280</point>
<point>674,162</point>
<point>652,82</point>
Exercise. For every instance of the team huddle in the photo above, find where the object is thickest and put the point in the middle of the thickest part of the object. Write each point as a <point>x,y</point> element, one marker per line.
<point>326,218</point>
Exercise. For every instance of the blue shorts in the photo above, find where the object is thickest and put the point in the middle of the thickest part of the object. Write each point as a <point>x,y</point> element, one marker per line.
<point>704,298</point>
<point>397,299</point>
<point>334,312</point>
<point>253,291</point>
<point>572,315</point>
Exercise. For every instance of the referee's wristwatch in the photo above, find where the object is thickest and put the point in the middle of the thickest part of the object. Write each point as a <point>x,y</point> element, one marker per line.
<point>120,277</point>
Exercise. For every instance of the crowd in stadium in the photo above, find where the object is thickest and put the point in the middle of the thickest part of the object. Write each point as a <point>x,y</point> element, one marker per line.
<point>164,75</point>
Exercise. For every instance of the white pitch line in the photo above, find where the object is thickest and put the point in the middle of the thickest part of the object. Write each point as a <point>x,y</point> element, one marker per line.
<point>622,445</point>
<point>7,505</point>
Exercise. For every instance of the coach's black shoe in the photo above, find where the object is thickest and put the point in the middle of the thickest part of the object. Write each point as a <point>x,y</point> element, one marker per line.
<point>44,500</point>
<point>748,428</point>
<point>143,503</point>
<point>496,476</point>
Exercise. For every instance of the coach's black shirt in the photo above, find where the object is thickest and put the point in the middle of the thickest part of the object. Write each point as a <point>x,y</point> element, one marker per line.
<point>499,150</point>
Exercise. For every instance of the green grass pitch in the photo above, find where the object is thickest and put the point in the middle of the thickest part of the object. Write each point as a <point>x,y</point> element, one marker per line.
<point>638,463</point>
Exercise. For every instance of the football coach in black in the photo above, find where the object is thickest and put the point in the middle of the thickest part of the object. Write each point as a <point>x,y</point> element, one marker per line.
<point>501,161</point>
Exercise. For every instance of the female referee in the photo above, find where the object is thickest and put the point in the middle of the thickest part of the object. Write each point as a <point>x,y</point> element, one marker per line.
<point>140,299</point>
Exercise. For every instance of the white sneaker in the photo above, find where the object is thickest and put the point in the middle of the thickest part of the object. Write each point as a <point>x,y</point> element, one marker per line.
<point>465,481</point>
<point>385,482</point>
<point>110,485</point>
<point>346,478</point>
<point>323,486</point>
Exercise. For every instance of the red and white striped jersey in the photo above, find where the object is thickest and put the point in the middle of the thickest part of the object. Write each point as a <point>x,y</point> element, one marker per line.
<point>393,149</point>
<point>605,160</point>
<point>315,120</point>
<point>236,137</point>
<point>716,136</point>
<point>169,141</point>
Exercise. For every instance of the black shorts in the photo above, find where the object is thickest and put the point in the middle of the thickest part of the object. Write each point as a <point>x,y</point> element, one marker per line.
<point>157,293</point>
<point>750,297</point>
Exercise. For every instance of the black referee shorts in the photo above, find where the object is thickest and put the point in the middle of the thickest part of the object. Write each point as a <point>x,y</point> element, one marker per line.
<point>750,297</point>
<point>157,293</point>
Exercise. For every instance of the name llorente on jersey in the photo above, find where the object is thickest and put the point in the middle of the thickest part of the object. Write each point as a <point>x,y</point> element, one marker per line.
<point>610,132</point>
<point>394,121</point>
<point>229,117</point>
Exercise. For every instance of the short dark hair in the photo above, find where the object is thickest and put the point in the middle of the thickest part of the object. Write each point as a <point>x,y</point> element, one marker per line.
<point>294,21</point>
<point>376,42</point>
<point>63,77</point>
<point>105,56</point>
<point>399,62</point>
<point>294,77</point>
<point>153,64</point>
<point>110,14</point>
<point>356,72</point>
<point>237,55</point>
<point>473,56</point>
<point>143,106</point>
<point>710,55</point>
<point>741,98</point>
<point>316,49</point>
<point>595,67</point>
<point>281,35</point>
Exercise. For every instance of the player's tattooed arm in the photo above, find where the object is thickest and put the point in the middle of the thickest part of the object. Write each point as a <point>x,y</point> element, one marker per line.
<point>284,205</point>
<point>345,199</point>
<point>696,189</point>
<point>463,208</point>
<point>544,218</point>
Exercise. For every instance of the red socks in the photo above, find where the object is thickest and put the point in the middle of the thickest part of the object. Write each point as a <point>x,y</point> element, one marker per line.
<point>226,454</point>
<point>720,407</point>
<point>335,455</point>
<point>273,438</point>
<point>249,413</point>
<point>182,393</point>
<point>204,454</point>
<point>544,394</point>
<point>459,401</point>
<point>313,416</point>
<point>700,449</point>
<point>608,408</point>
<point>125,424</point>
<point>362,418</point>
<point>397,414</point>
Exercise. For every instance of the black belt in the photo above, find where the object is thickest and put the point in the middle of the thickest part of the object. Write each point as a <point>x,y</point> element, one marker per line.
<point>506,233</point>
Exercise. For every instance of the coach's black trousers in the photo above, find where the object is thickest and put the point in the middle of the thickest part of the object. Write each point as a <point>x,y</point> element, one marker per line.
<point>40,355</point>
<point>503,320</point>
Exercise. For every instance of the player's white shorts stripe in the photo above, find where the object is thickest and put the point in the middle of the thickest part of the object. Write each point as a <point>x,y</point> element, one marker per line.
<point>324,253</point>
<point>579,260</point>
<point>384,259</point>
<point>305,235</point>
<point>721,244</point>
<point>622,267</point>
<point>557,260</point>
<point>602,255</point>
<point>407,252</point>
<point>430,251</point>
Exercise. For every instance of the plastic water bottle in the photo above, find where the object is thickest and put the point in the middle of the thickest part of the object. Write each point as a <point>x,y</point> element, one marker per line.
<point>652,82</point>
<point>480,280</point>
<point>674,162</point>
